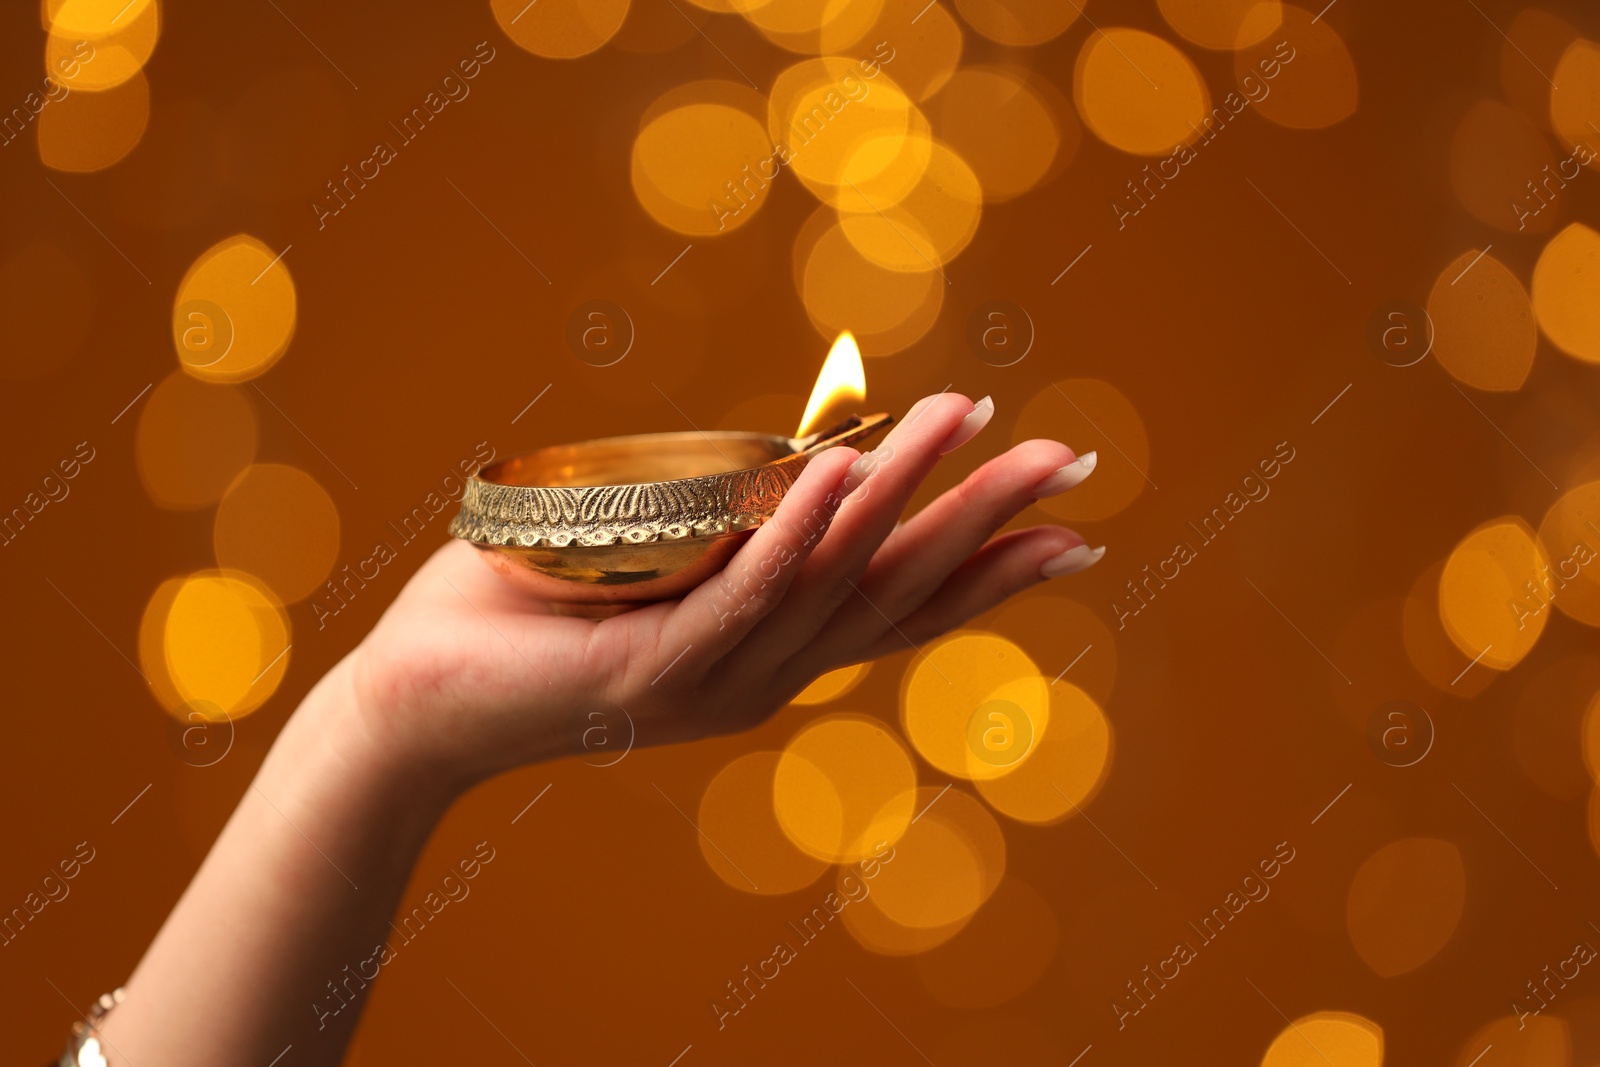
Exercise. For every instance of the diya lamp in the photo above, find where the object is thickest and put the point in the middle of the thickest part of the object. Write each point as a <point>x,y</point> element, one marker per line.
<point>599,527</point>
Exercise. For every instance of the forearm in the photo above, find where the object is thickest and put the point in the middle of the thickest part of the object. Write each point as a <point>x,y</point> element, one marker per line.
<point>300,886</point>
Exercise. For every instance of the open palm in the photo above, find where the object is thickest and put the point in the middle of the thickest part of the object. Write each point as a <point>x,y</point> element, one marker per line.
<point>467,675</point>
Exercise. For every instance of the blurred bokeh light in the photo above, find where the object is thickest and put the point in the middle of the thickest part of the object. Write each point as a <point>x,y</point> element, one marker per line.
<point>1484,598</point>
<point>740,836</point>
<point>1331,1038</point>
<point>947,864</point>
<point>1137,92</point>
<point>970,687</point>
<point>842,785</point>
<point>225,640</point>
<point>1566,291</point>
<point>100,44</point>
<point>193,439</point>
<point>1405,903</point>
<point>235,311</point>
<point>1484,333</point>
<point>277,523</point>
<point>560,29</point>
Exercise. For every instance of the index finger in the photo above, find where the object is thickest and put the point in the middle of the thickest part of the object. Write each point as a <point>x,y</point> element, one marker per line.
<point>718,613</point>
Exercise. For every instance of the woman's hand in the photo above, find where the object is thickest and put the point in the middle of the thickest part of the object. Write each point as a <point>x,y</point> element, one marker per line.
<point>466,675</point>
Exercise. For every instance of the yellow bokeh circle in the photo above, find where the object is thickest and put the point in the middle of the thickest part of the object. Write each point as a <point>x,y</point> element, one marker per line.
<point>1493,151</point>
<point>192,440</point>
<point>887,310</point>
<point>1327,1039</point>
<point>726,7</point>
<point>559,29</point>
<point>833,685</point>
<point>1484,333</point>
<point>843,785</point>
<point>225,641</point>
<point>1095,416</point>
<point>1222,24</point>
<point>946,865</point>
<point>1316,85</point>
<point>1137,92</point>
<point>823,112</point>
<point>1483,582</point>
<point>1428,648</point>
<point>929,226</point>
<point>1065,768</point>
<point>235,311</point>
<point>837,128</point>
<point>1572,546</point>
<point>96,45</point>
<point>703,169</point>
<point>930,46</point>
<point>814,27</point>
<point>1566,292</point>
<point>1068,639</point>
<point>877,933</point>
<point>740,836</point>
<point>956,677</point>
<point>277,523</point>
<point>1000,126</point>
<point>883,169</point>
<point>85,132</point>
<point>1575,98</point>
<point>1405,903</point>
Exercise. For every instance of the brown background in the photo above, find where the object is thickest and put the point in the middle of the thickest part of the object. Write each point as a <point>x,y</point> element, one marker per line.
<point>600,934</point>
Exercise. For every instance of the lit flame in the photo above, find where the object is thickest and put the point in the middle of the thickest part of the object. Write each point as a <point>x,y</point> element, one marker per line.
<point>842,379</point>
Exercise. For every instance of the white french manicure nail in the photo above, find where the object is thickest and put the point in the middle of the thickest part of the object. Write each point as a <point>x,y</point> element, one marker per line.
<point>969,427</point>
<point>1065,478</point>
<point>864,465</point>
<point>1072,561</point>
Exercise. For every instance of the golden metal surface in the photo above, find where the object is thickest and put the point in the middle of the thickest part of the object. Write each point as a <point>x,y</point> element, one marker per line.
<point>599,527</point>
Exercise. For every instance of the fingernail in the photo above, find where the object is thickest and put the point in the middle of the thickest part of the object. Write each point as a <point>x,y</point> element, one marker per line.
<point>1072,561</point>
<point>864,465</point>
<point>968,427</point>
<point>1065,478</point>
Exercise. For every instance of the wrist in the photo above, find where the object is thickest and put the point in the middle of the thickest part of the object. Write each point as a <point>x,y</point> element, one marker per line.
<point>449,720</point>
<point>334,756</point>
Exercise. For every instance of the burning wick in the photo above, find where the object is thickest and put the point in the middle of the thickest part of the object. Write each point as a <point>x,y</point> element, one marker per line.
<point>843,379</point>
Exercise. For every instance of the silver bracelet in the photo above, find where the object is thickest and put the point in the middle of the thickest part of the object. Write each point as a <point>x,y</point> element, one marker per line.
<point>83,1047</point>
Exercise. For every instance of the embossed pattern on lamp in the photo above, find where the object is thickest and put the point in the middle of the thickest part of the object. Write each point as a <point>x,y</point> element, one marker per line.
<point>599,527</point>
